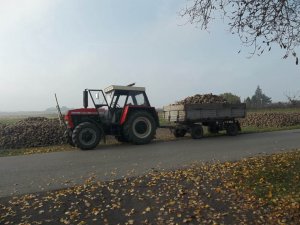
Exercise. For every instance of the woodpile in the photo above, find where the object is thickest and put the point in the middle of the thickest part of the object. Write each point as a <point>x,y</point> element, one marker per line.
<point>200,99</point>
<point>271,119</point>
<point>31,132</point>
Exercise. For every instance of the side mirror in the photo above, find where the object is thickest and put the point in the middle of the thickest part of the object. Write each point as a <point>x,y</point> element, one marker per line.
<point>85,98</point>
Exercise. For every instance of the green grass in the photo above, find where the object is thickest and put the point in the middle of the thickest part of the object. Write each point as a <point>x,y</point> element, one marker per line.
<point>8,120</point>
<point>275,176</point>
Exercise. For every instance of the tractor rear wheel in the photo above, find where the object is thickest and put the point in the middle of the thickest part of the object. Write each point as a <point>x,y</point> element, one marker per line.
<point>196,131</point>
<point>86,136</point>
<point>140,128</point>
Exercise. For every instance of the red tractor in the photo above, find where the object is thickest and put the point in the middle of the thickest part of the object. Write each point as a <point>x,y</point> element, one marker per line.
<point>121,111</point>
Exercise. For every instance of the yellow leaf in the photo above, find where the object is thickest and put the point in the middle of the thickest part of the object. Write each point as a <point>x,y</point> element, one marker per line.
<point>130,222</point>
<point>218,190</point>
<point>270,195</point>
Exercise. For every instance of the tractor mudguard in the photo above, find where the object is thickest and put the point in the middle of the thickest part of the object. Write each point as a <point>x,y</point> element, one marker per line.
<point>128,109</point>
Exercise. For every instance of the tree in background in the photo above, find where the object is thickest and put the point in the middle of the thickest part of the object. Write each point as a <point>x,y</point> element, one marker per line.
<point>259,99</point>
<point>248,102</point>
<point>293,99</point>
<point>258,23</point>
<point>231,98</point>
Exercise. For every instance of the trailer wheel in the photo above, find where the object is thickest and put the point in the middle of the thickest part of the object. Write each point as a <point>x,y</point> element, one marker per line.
<point>179,132</point>
<point>86,136</point>
<point>197,131</point>
<point>140,128</point>
<point>232,129</point>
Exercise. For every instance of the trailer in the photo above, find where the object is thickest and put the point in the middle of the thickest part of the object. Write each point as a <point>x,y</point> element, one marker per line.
<point>191,118</point>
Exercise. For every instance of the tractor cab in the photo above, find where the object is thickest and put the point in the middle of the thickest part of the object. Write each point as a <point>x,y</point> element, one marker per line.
<point>114,99</point>
<point>121,111</point>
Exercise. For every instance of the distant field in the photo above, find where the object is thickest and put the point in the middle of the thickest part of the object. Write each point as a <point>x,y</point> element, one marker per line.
<point>11,119</point>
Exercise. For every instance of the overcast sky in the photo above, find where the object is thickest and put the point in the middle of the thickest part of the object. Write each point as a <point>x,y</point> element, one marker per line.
<point>65,46</point>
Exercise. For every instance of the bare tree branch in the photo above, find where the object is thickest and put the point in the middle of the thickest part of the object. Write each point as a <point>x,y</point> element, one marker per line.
<point>258,23</point>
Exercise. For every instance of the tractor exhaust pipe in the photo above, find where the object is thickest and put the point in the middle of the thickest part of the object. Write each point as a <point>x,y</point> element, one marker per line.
<point>85,99</point>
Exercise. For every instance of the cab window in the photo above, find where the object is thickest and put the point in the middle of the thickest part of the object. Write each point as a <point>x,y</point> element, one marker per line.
<point>140,99</point>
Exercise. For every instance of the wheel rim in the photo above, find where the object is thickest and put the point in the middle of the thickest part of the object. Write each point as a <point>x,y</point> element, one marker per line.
<point>88,136</point>
<point>142,127</point>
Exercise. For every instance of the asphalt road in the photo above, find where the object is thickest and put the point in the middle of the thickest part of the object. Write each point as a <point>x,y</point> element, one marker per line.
<point>40,172</point>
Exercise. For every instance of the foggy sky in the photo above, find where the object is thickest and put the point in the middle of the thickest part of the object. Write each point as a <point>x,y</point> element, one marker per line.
<point>65,46</point>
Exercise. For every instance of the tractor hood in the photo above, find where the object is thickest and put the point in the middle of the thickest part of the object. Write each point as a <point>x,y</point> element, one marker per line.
<point>78,112</point>
<point>82,111</point>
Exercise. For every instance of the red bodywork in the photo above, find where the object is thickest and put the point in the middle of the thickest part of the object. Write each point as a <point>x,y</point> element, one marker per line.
<point>124,114</point>
<point>93,111</point>
<point>82,111</point>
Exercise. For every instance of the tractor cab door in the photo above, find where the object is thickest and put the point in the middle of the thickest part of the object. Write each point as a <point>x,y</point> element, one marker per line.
<point>100,103</point>
<point>118,102</point>
<point>122,98</point>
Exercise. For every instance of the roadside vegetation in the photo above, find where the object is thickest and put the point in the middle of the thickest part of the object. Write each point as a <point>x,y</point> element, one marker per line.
<point>258,190</point>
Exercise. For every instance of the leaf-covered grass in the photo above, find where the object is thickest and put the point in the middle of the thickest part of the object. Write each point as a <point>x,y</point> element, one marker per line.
<point>258,190</point>
<point>270,180</point>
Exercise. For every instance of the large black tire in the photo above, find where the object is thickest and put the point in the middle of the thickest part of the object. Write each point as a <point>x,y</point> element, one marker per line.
<point>140,128</point>
<point>197,131</point>
<point>179,132</point>
<point>86,136</point>
<point>232,129</point>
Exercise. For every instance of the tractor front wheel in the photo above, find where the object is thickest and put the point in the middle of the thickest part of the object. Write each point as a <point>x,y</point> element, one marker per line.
<point>140,128</point>
<point>86,136</point>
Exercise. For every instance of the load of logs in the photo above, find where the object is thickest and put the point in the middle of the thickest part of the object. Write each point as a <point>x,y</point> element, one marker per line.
<point>200,99</point>
<point>31,132</point>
